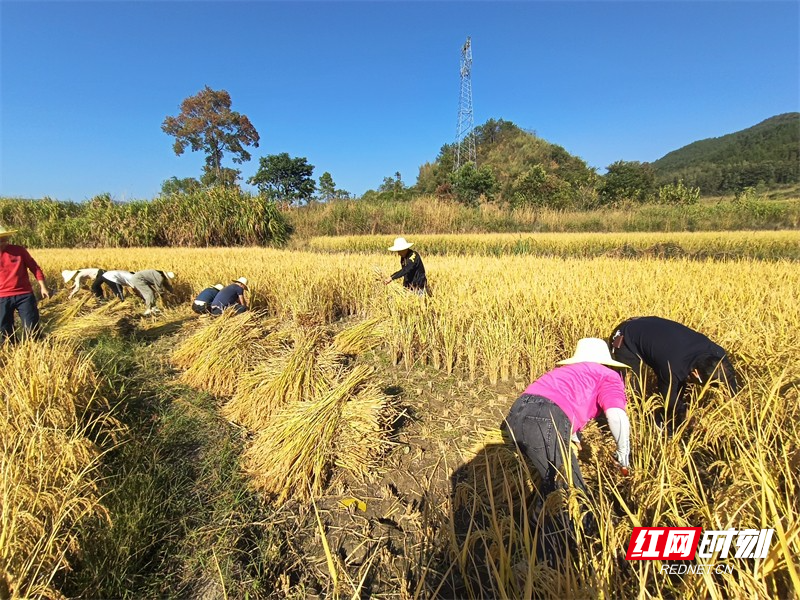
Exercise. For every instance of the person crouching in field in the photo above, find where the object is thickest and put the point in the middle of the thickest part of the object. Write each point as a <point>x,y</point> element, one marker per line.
<point>151,284</point>
<point>77,276</point>
<point>551,411</point>
<point>231,296</point>
<point>16,293</point>
<point>202,304</point>
<point>678,355</point>
<point>117,281</point>
<point>411,268</point>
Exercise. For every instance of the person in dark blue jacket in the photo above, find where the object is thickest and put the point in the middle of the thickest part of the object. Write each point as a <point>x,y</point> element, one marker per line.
<point>411,268</point>
<point>678,355</point>
<point>231,296</point>
<point>202,304</point>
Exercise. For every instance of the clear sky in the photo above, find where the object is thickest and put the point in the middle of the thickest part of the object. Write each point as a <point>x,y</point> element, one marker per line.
<point>365,89</point>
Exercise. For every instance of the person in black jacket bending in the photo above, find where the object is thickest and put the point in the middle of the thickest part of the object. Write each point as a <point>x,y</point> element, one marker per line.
<point>411,268</point>
<point>677,354</point>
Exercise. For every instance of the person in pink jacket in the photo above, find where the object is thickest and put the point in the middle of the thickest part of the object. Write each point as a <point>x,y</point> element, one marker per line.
<point>554,408</point>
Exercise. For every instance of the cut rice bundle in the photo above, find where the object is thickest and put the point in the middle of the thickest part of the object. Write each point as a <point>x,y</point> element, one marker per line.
<point>294,454</point>
<point>216,356</point>
<point>290,374</point>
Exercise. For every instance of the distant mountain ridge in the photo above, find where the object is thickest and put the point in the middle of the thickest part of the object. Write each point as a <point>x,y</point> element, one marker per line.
<point>767,153</point>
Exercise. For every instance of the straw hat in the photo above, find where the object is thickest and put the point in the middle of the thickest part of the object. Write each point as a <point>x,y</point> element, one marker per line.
<point>400,244</point>
<point>5,232</point>
<point>170,275</point>
<point>68,275</point>
<point>243,281</point>
<point>592,350</point>
<point>218,286</point>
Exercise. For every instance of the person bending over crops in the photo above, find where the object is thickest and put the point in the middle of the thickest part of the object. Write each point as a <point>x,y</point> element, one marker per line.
<point>545,420</point>
<point>117,281</point>
<point>678,355</point>
<point>16,293</point>
<point>555,407</point>
<point>151,284</point>
<point>231,296</point>
<point>77,277</point>
<point>202,304</point>
<point>411,268</point>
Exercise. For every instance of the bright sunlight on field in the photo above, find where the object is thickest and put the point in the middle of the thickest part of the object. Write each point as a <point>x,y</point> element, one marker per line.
<point>368,418</point>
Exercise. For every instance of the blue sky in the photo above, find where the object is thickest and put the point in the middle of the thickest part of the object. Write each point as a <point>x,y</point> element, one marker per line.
<point>365,89</point>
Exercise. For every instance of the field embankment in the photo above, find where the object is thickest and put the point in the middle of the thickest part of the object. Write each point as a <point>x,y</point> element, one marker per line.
<point>442,507</point>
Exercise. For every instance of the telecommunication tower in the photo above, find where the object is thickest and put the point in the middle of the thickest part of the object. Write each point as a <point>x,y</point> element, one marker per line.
<point>465,137</point>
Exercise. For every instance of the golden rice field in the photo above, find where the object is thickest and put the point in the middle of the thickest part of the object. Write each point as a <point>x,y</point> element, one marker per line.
<point>310,384</point>
<point>718,244</point>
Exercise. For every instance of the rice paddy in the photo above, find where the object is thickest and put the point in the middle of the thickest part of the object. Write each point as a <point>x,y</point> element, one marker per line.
<point>382,409</point>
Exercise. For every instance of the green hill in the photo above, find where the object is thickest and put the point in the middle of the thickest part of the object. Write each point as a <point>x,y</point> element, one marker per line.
<point>766,154</point>
<point>517,167</point>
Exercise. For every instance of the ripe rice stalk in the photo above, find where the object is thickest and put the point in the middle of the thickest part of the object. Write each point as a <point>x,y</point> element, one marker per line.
<point>48,466</point>
<point>289,375</point>
<point>363,337</point>
<point>46,384</point>
<point>111,318</point>
<point>366,428</point>
<point>292,457</point>
<point>215,357</point>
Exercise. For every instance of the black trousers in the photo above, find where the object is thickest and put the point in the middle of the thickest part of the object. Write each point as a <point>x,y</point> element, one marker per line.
<point>116,288</point>
<point>26,306</point>
<point>205,309</point>
<point>97,285</point>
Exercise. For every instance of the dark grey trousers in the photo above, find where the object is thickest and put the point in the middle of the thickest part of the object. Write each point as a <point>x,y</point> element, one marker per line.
<point>542,431</point>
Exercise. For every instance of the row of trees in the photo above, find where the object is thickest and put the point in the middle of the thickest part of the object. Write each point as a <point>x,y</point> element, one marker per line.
<point>516,167</point>
<point>206,123</point>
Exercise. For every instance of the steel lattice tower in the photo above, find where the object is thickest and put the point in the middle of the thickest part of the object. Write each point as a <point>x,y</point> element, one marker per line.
<point>465,136</point>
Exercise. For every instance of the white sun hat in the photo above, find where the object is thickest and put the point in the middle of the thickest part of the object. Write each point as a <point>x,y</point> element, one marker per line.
<point>218,286</point>
<point>243,281</point>
<point>400,244</point>
<point>68,275</point>
<point>170,275</point>
<point>592,350</point>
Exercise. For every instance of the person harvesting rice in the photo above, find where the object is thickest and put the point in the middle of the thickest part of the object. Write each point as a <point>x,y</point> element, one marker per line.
<point>16,293</point>
<point>78,275</point>
<point>117,281</point>
<point>411,268</point>
<point>231,296</point>
<point>151,284</point>
<point>678,355</point>
<point>547,417</point>
<point>202,303</point>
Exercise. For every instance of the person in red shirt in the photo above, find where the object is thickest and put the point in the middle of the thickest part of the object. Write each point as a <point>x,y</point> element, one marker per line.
<point>16,293</point>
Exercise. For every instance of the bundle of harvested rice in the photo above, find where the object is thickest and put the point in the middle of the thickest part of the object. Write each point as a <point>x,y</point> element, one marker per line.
<point>215,357</point>
<point>288,375</point>
<point>366,426</point>
<point>94,319</point>
<point>294,454</point>
<point>48,464</point>
<point>365,336</point>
